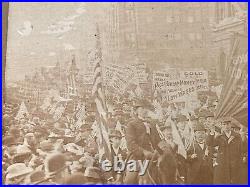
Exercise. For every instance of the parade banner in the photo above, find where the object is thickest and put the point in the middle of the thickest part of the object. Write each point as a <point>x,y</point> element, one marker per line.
<point>140,72</point>
<point>110,70</point>
<point>181,94</point>
<point>234,96</point>
<point>121,78</point>
<point>161,78</point>
<point>118,76</point>
<point>172,87</point>
<point>201,77</point>
<point>176,85</point>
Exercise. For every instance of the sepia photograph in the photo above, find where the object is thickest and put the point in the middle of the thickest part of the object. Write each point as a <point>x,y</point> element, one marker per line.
<point>125,93</point>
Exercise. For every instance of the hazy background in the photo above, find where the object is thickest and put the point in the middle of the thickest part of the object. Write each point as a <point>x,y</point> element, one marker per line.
<point>182,35</point>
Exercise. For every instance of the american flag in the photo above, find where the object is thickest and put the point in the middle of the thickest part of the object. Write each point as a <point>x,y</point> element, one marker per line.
<point>97,92</point>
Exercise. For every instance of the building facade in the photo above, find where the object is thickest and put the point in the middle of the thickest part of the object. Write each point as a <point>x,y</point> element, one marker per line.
<point>230,18</point>
<point>178,34</point>
<point>34,89</point>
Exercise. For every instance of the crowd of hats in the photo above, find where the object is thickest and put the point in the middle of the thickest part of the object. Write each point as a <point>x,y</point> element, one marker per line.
<point>39,151</point>
<point>36,151</point>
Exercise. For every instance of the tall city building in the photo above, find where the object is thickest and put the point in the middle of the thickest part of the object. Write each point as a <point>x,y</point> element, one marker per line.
<point>178,34</point>
<point>230,18</point>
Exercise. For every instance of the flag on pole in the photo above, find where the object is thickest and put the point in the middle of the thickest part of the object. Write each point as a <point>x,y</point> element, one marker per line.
<point>22,111</point>
<point>188,134</point>
<point>177,138</point>
<point>97,92</point>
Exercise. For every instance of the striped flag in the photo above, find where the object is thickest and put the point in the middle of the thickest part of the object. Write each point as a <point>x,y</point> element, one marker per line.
<point>235,87</point>
<point>97,92</point>
<point>177,139</point>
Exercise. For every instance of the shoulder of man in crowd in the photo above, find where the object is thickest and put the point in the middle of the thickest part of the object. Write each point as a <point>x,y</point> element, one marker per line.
<point>134,121</point>
<point>236,135</point>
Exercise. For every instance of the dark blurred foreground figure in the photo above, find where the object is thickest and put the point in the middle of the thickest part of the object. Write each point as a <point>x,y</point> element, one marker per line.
<point>55,169</point>
<point>93,175</point>
<point>244,169</point>
<point>35,177</point>
<point>76,178</point>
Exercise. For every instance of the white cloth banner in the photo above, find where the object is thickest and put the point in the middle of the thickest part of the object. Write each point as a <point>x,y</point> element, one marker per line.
<point>200,76</point>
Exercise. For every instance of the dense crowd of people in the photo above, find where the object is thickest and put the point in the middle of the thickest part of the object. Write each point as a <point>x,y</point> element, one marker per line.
<point>182,148</point>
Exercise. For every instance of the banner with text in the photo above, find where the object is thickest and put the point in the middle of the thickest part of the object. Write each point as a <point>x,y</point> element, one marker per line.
<point>200,76</point>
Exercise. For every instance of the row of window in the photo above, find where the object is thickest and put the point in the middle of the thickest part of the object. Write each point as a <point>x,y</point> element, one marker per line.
<point>165,5</point>
<point>130,37</point>
<point>163,44</point>
<point>172,17</point>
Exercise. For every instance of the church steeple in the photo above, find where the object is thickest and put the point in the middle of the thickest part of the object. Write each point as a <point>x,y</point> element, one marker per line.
<point>73,67</point>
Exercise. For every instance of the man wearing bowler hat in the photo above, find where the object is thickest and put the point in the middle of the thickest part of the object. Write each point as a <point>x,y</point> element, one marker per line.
<point>229,157</point>
<point>199,158</point>
<point>115,140</point>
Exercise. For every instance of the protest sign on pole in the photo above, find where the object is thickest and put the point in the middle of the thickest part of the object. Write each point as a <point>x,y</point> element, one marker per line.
<point>161,78</point>
<point>118,76</point>
<point>140,72</point>
<point>181,94</point>
<point>201,77</point>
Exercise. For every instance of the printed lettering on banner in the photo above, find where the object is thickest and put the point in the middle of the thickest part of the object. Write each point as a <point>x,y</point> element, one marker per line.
<point>200,76</point>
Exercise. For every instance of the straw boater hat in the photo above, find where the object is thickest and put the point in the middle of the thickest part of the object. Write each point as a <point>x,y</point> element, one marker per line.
<point>54,136</point>
<point>17,170</point>
<point>59,127</point>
